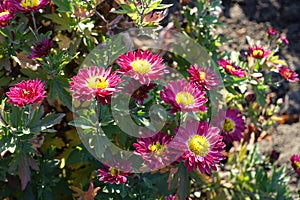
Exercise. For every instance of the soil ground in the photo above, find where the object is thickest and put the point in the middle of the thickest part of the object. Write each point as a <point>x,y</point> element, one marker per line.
<point>252,18</point>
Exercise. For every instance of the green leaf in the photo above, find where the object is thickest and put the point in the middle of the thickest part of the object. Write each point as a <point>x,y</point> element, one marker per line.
<point>184,184</point>
<point>261,96</point>
<point>4,81</point>
<point>120,12</point>
<point>74,157</point>
<point>51,119</point>
<point>74,46</point>
<point>62,19</point>
<point>63,95</point>
<point>15,117</point>
<point>39,73</point>
<point>128,8</point>
<point>64,5</point>
<point>83,123</point>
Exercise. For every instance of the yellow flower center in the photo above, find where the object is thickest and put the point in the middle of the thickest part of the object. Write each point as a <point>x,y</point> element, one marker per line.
<point>230,68</point>
<point>157,148</point>
<point>97,82</point>
<point>287,74</point>
<point>114,172</point>
<point>258,53</point>
<point>202,76</point>
<point>5,12</point>
<point>29,3</point>
<point>184,98</point>
<point>297,164</point>
<point>228,125</point>
<point>141,66</point>
<point>199,145</point>
<point>27,93</point>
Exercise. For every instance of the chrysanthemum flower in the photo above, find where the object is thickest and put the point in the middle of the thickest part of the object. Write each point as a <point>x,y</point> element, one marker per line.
<point>203,77</point>
<point>6,13</point>
<point>295,159</point>
<point>41,49</point>
<point>233,126</point>
<point>170,197</point>
<point>272,33</point>
<point>282,41</point>
<point>201,145</point>
<point>94,83</point>
<point>259,52</point>
<point>183,97</point>
<point>142,66</point>
<point>232,68</point>
<point>112,175</point>
<point>288,74</point>
<point>29,5</point>
<point>141,93</point>
<point>153,150</point>
<point>26,92</point>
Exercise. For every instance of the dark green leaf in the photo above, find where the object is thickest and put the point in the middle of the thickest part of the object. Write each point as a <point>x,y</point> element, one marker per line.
<point>64,5</point>
<point>183,183</point>
<point>63,95</point>
<point>51,119</point>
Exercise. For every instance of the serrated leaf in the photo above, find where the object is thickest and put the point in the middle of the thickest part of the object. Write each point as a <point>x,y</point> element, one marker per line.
<point>63,20</point>
<point>63,95</point>
<point>24,171</point>
<point>63,5</point>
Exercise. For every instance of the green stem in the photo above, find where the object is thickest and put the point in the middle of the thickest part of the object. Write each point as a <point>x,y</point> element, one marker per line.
<point>36,33</point>
<point>31,110</point>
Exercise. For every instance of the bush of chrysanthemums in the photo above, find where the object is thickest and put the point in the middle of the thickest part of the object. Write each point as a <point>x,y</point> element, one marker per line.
<point>77,93</point>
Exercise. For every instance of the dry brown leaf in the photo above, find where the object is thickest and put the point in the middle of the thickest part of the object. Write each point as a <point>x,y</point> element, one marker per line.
<point>25,62</point>
<point>62,41</point>
<point>88,195</point>
<point>83,13</point>
<point>155,17</point>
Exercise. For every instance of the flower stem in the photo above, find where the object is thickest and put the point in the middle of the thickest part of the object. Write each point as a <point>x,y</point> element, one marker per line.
<point>36,33</point>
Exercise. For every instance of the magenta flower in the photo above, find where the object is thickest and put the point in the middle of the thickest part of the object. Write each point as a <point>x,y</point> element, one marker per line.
<point>142,66</point>
<point>282,41</point>
<point>41,49</point>
<point>233,126</point>
<point>259,52</point>
<point>95,83</point>
<point>29,5</point>
<point>6,13</point>
<point>141,93</point>
<point>201,145</point>
<point>272,33</point>
<point>295,159</point>
<point>26,92</point>
<point>288,74</point>
<point>231,68</point>
<point>153,150</point>
<point>203,77</point>
<point>182,96</point>
<point>113,175</point>
<point>170,197</point>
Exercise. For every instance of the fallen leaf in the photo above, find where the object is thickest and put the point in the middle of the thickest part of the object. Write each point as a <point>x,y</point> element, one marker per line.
<point>88,195</point>
<point>25,62</point>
